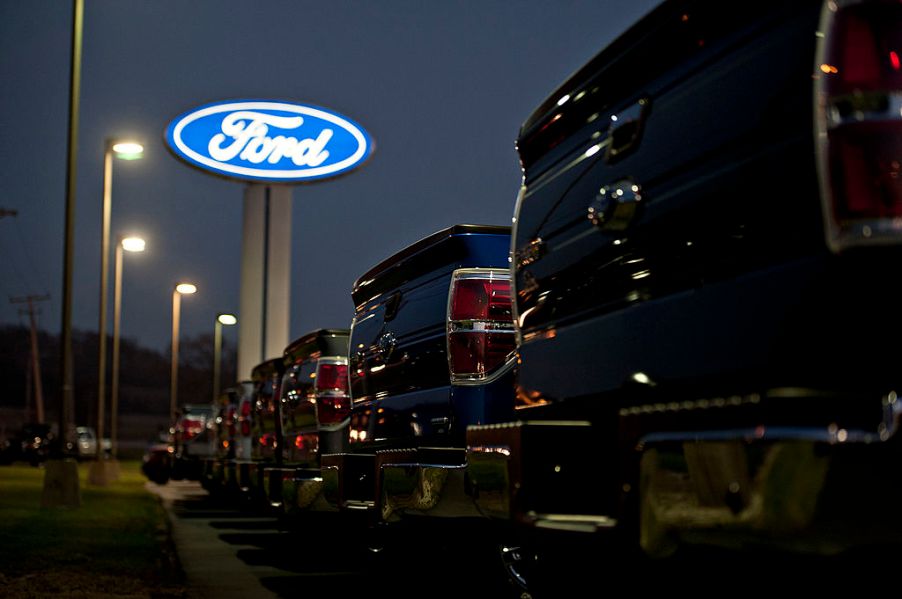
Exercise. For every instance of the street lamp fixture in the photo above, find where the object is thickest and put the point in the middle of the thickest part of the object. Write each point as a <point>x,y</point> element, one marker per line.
<point>130,150</point>
<point>180,289</point>
<point>132,244</point>
<point>227,320</point>
<point>129,244</point>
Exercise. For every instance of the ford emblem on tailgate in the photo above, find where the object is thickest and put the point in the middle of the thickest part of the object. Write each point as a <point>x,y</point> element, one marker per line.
<point>264,140</point>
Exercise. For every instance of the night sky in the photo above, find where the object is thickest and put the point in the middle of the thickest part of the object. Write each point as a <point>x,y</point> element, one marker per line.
<point>442,86</point>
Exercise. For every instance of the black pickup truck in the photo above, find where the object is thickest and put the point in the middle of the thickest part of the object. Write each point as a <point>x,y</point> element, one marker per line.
<point>704,251</point>
<point>258,430</point>
<point>312,418</point>
<point>431,352</point>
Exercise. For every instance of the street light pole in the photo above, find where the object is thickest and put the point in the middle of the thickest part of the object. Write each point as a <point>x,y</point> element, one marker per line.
<point>98,474</point>
<point>181,288</point>
<point>221,319</point>
<point>129,244</point>
<point>100,479</point>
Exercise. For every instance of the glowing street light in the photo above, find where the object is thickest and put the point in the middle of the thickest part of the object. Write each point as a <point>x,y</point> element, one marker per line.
<point>180,289</point>
<point>221,319</point>
<point>130,151</point>
<point>129,244</point>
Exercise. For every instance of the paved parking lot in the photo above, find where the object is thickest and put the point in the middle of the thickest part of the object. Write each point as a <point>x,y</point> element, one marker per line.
<point>226,553</point>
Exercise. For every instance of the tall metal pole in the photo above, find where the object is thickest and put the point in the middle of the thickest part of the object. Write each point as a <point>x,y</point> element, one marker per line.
<point>217,358</point>
<point>174,369</point>
<point>61,486</point>
<point>104,292</point>
<point>67,404</point>
<point>117,310</point>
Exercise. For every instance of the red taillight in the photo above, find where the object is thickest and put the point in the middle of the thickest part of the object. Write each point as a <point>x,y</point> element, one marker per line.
<point>866,164</point>
<point>230,421</point>
<point>478,352</point>
<point>480,323</point>
<point>333,404</point>
<point>481,299</point>
<point>332,377</point>
<point>333,410</point>
<point>245,419</point>
<point>865,41</point>
<point>861,122</point>
<point>192,428</point>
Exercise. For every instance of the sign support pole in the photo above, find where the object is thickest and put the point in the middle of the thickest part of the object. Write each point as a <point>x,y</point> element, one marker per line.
<point>264,311</point>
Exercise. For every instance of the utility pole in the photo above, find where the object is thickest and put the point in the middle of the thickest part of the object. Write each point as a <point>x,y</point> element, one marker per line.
<point>35,355</point>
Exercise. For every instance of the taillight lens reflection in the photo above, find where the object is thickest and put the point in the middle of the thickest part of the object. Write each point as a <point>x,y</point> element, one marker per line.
<point>479,353</point>
<point>479,299</point>
<point>480,323</point>
<point>332,377</point>
<point>333,410</point>
<point>865,49</point>
<point>866,164</point>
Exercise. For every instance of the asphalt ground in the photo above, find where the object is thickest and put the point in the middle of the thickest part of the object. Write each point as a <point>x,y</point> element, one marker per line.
<point>228,552</point>
<point>211,564</point>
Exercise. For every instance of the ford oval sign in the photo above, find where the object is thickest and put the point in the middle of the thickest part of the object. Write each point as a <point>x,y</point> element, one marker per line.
<point>261,140</point>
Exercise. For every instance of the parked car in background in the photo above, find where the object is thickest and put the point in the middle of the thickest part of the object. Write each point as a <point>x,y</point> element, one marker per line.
<point>30,444</point>
<point>704,257</point>
<point>86,443</point>
<point>314,411</point>
<point>193,440</point>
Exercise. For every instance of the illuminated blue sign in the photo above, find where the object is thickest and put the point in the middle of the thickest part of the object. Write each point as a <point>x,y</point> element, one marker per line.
<point>261,140</point>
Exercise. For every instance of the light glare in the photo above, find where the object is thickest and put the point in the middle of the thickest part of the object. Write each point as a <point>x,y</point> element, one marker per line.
<point>128,150</point>
<point>227,319</point>
<point>133,244</point>
<point>185,288</point>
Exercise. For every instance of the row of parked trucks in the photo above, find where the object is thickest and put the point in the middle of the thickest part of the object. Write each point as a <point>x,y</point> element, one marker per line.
<point>689,336</point>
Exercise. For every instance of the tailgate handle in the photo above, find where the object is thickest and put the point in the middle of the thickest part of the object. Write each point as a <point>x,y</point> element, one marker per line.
<point>391,306</point>
<point>626,130</point>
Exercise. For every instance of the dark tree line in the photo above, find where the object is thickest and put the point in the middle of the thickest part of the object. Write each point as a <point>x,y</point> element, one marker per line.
<point>143,373</point>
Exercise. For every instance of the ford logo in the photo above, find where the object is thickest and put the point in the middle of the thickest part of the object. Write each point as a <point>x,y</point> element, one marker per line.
<point>261,140</point>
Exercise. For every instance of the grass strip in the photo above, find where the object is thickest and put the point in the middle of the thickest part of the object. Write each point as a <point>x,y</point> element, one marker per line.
<point>115,544</point>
